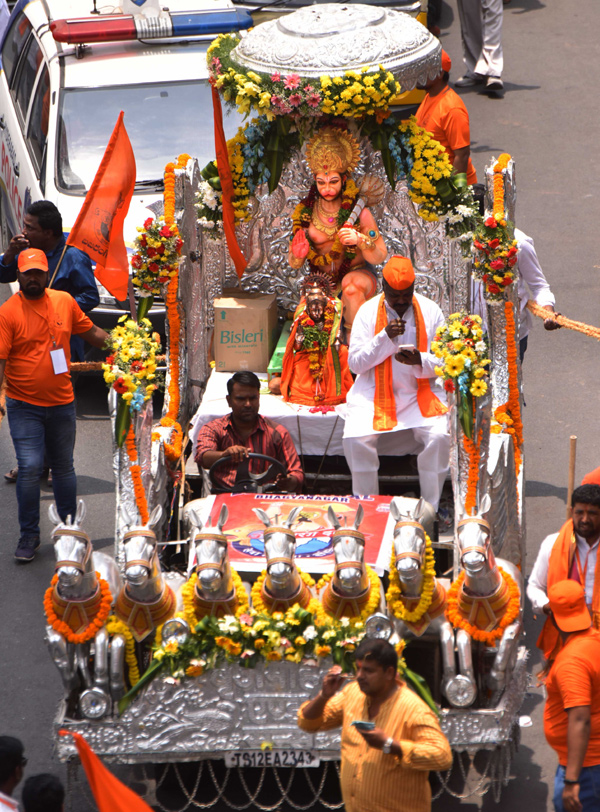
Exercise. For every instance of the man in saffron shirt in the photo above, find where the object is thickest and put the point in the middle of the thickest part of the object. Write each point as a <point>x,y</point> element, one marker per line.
<point>571,553</point>
<point>36,325</point>
<point>572,711</point>
<point>246,431</point>
<point>385,769</point>
<point>444,115</point>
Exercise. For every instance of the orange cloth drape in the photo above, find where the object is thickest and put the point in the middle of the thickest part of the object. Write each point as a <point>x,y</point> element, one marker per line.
<point>98,229</point>
<point>560,567</point>
<point>430,405</point>
<point>109,793</point>
<point>226,187</point>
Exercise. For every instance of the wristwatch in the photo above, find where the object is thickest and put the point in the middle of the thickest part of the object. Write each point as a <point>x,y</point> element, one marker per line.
<point>565,780</point>
<point>387,747</point>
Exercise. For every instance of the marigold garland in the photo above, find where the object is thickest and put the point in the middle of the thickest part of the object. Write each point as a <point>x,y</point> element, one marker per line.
<point>187,594</point>
<point>92,628</point>
<point>316,342</point>
<point>393,595</point>
<point>261,607</point>
<point>458,621</point>
<point>136,476</point>
<point>374,593</point>
<point>514,395</point>
<point>173,448</point>
<point>498,187</point>
<point>116,626</point>
<point>473,451</point>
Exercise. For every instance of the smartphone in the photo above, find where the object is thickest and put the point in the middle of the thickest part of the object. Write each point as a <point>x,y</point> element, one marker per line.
<point>360,725</point>
<point>409,347</point>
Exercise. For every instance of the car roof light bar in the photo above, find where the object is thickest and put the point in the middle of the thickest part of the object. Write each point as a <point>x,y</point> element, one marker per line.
<point>180,25</point>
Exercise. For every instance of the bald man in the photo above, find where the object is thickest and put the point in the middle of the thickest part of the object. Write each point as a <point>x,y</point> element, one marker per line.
<point>395,396</point>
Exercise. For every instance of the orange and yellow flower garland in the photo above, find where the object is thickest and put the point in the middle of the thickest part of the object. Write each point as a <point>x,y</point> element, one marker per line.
<point>374,593</point>
<point>394,596</point>
<point>500,166</point>
<point>459,622</point>
<point>136,476</point>
<point>514,400</point>
<point>174,448</point>
<point>92,628</point>
<point>116,626</point>
<point>472,449</point>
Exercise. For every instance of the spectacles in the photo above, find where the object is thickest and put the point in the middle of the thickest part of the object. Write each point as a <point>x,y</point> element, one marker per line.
<point>23,762</point>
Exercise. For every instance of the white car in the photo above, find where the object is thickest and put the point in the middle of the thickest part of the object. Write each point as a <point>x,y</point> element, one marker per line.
<point>59,101</point>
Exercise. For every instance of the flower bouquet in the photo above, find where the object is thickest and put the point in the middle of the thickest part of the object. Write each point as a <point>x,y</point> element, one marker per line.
<point>495,257</point>
<point>156,260</point>
<point>130,369</point>
<point>462,348</point>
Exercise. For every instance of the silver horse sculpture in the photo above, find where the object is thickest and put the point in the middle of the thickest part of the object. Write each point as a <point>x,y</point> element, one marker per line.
<point>147,599</point>
<point>95,681</point>
<point>283,583</point>
<point>483,580</point>
<point>350,581</point>
<point>215,590</point>
<point>409,554</point>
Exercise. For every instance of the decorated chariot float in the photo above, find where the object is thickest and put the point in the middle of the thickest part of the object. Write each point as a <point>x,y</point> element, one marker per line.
<point>199,669</point>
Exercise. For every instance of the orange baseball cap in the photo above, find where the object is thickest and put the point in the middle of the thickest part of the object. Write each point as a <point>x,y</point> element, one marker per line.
<point>399,272</point>
<point>567,601</point>
<point>446,61</point>
<point>32,259</point>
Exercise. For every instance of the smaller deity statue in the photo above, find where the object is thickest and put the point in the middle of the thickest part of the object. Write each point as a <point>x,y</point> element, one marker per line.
<point>315,364</point>
<point>333,228</point>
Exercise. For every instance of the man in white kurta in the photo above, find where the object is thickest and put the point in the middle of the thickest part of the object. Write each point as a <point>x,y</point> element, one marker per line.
<point>428,436</point>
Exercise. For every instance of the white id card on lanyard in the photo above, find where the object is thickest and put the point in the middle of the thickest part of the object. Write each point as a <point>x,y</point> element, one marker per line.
<point>59,362</point>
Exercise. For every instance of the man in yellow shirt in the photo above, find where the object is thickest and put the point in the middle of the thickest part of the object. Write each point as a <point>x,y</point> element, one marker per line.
<point>386,768</point>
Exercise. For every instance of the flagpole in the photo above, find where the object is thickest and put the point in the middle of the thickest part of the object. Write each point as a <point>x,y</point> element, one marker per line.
<point>131,295</point>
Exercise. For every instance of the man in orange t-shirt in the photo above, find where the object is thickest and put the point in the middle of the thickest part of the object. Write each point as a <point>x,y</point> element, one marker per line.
<point>572,712</point>
<point>36,325</point>
<point>444,115</point>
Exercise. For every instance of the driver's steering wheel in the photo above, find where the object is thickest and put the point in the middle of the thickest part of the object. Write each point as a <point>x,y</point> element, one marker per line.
<point>245,480</point>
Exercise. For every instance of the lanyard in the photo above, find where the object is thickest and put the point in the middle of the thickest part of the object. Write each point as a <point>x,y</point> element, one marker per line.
<point>582,572</point>
<point>49,322</point>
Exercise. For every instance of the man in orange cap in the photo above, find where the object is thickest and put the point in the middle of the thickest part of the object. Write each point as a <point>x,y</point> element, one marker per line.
<point>36,325</point>
<point>443,114</point>
<point>394,393</point>
<point>572,711</point>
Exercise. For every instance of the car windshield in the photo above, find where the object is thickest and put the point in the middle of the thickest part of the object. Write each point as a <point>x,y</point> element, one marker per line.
<point>162,120</point>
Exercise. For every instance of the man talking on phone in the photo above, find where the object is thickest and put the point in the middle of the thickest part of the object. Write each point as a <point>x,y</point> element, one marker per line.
<point>390,738</point>
<point>395,394</point>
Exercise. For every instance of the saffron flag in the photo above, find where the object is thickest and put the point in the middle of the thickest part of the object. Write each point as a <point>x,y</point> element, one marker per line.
<point>110,794</point>
<point>99,227</point>
<point>226,187</point>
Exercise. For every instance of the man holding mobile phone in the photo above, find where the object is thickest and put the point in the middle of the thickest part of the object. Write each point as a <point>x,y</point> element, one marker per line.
<point>395,393</point>
<point>385,768</point>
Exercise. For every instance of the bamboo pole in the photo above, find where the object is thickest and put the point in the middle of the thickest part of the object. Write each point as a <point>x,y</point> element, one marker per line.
<point>571,483</point>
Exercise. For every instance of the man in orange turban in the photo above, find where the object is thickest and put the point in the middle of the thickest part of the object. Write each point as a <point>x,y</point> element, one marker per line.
<point>394,393</point>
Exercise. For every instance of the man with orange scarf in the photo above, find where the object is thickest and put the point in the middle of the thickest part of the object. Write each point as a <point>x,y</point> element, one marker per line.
<point>571,553</point>
<point>395,395</point>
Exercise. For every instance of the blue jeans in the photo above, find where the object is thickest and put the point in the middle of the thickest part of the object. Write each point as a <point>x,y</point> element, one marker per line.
<point>37,431</point>
<point>589,788</point>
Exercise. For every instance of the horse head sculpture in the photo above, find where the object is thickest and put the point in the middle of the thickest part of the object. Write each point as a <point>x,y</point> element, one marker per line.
<point>283,585</point>
<point>350,576</point>
<point>77,599</point>
<point>476,554</point>
<point>409,544</point>
<point>211,556</point>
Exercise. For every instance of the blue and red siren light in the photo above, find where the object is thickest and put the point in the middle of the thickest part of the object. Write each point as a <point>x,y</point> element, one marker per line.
<point>179,25</point>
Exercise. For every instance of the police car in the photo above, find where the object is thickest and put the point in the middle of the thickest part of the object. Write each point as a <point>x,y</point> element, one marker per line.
<point>68,69</point>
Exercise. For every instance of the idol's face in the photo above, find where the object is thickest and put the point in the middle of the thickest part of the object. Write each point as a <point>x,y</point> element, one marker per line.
<point>329,185</point>
<point>315,305</point>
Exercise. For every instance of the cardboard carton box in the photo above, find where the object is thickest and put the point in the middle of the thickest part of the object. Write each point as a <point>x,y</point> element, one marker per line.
<point>246,331</point>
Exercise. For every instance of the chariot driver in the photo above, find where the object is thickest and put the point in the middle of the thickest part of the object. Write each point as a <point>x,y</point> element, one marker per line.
<point>315,364</point>
<point>344,253</point>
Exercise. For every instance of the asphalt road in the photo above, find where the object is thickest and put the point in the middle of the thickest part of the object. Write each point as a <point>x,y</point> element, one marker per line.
<point>549,122</point>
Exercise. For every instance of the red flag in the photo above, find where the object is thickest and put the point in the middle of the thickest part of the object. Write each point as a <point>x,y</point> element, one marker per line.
<point>99,227</point>
<point>110,794</point>
<point>227,187</point>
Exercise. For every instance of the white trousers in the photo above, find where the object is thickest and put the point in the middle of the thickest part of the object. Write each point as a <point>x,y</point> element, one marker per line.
<point>432,444</point>
<point>481,32</point>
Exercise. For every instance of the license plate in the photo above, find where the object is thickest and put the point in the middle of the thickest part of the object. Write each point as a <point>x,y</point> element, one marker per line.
<point>271,758</point>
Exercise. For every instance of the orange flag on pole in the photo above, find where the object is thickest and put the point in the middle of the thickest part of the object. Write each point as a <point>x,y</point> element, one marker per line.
<point>226,187</point>
<point>99,227</point>
<point>110,794</point>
